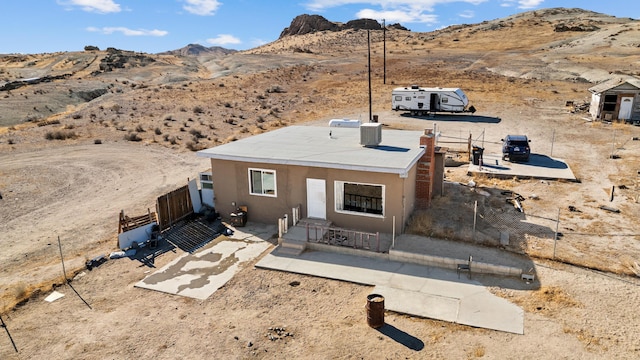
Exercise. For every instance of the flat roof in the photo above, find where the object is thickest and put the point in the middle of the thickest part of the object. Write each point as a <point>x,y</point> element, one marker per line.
<point>313,146</point>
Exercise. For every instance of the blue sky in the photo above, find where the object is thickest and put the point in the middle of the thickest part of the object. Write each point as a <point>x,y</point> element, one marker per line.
<point>151,26</point>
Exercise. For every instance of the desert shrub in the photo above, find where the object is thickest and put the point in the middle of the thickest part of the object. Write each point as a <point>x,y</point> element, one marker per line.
<point>196,133</point>
<point>76,116</point>
<point>158,131</point>
<point>276,89</point>
<point>227,104</point>
<point>169,117</point>
<point>198,109</point>
<point>60,135</point>
<point>139,128</point>
<point>194,145</point>
<point>69,126</point>
<point>11,141</point>
<point>132,136</point>
<point>97,141</point>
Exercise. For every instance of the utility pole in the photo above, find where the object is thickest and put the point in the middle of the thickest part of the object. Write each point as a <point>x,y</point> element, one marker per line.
<point>384,52</point>
<point>369,59</point>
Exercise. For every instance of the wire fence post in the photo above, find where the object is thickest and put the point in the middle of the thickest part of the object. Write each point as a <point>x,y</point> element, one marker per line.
<point>555,236</point>
<point>475,217</point>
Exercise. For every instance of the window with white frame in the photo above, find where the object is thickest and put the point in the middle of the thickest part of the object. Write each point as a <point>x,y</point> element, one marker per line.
<point>359,198</point>
<point>262,182</point>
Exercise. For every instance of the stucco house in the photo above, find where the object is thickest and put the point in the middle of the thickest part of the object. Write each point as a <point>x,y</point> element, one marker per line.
<point>356,178</point>
<point>616,99</point>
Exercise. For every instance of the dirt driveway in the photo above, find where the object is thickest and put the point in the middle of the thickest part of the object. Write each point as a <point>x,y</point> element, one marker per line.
<point>76,192</point>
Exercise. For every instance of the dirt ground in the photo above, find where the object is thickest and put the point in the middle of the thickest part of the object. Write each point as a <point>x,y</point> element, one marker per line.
<point>585,305</point>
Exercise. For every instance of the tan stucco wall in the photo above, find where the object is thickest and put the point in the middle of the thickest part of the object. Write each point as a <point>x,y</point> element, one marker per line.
<point>231,185</point>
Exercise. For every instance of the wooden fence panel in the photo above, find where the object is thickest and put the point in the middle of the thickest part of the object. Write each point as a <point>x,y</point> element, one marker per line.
<point>173,206</point>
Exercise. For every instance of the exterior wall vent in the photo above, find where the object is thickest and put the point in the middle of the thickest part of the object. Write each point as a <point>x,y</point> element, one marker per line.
<point>370,134</point>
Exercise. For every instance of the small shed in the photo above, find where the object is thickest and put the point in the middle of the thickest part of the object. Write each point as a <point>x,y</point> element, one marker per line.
<point>616,99</point>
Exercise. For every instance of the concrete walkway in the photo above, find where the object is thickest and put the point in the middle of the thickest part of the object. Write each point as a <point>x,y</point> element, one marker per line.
<point>409,288</point>
<point>538,167</point>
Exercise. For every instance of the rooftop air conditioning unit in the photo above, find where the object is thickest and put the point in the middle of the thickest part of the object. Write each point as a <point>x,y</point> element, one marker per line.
<point>370,134</point>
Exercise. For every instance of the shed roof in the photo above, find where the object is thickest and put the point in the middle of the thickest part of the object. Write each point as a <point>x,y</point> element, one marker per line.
<point>327,147</point>
<point>613,83</point>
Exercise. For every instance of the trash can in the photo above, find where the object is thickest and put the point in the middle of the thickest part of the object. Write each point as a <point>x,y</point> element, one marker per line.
<point>375,310</point>
<point>476,154</point>
<point>239,217</point>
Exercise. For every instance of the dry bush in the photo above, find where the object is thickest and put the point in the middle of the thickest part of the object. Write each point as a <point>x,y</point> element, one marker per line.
<point>60,135</point>
<point>194,146</point>
<point>132,136</point>
<point>158,131</point>
<point>140,128</point>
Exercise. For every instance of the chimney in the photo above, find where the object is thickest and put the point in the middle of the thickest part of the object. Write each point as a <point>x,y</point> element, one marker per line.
<point>425,170</point>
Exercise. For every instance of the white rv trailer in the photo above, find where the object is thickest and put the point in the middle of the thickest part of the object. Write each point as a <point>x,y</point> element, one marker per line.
<point>421,100</point>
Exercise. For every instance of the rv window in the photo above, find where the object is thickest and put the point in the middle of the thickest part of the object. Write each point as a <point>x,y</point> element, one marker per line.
<point>422,97</point>
<point>398,98</point>
<point>408,98</point>
<point>262,182</point>
<point>359,198</point>
<point>444,100</point>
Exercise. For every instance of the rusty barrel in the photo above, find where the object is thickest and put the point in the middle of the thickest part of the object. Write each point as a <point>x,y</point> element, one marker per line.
<point>375,310</point>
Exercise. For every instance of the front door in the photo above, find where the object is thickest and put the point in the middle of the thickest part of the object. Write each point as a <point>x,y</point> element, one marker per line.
<point>626,104</point>
<point>316,199</point>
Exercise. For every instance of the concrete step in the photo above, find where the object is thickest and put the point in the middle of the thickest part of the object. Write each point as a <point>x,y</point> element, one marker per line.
<point>292,247</point>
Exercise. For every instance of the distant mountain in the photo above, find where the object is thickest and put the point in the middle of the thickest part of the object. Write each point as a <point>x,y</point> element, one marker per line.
<point>197,49</point>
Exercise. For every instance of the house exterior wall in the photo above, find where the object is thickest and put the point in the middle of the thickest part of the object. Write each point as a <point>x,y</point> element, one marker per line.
<point>231,181</point>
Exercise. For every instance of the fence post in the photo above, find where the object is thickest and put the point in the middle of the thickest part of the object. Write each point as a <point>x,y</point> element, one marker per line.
<point>475,217</point>
<point>555,237</point>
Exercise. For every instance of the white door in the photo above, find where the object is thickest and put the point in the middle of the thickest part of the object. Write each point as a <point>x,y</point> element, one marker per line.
<point>626,104</point>
<point>316,199</point>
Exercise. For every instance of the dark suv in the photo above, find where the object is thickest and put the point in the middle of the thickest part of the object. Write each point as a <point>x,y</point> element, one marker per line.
<point>516,147</point>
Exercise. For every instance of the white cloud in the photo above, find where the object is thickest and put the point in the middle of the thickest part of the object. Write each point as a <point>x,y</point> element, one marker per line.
<point>224,39</point>
<point>128,32</point>
<point>421,5</point>
<point>529,4</point>
<point>397,16</point>
<point>521,4</point>
<point>99,6</point>
<point>467,14</point>
<point>402,11</point>
<point>202,7</point>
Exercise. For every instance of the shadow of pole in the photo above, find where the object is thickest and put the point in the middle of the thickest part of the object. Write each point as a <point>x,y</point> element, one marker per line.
<point>401,337</point>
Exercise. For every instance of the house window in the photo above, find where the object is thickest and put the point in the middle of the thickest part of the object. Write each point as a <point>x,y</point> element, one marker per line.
<point>610,102</point>
<point>359,198</point>
<point>262,182</point>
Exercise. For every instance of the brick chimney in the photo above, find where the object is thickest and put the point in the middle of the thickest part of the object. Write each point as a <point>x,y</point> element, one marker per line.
<point>425,170</point>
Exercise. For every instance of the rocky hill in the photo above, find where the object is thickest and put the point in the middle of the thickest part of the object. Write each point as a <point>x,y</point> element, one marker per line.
<point>198,50</point>
<point>549,45</point>
<point>307,24</point>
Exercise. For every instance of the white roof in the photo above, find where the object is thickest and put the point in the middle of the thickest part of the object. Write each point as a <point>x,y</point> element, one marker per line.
<point>312,146</point>
<point>430,89</point>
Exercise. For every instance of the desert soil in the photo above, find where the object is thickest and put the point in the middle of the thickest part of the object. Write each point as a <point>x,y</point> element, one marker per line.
<point>583,307</point>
